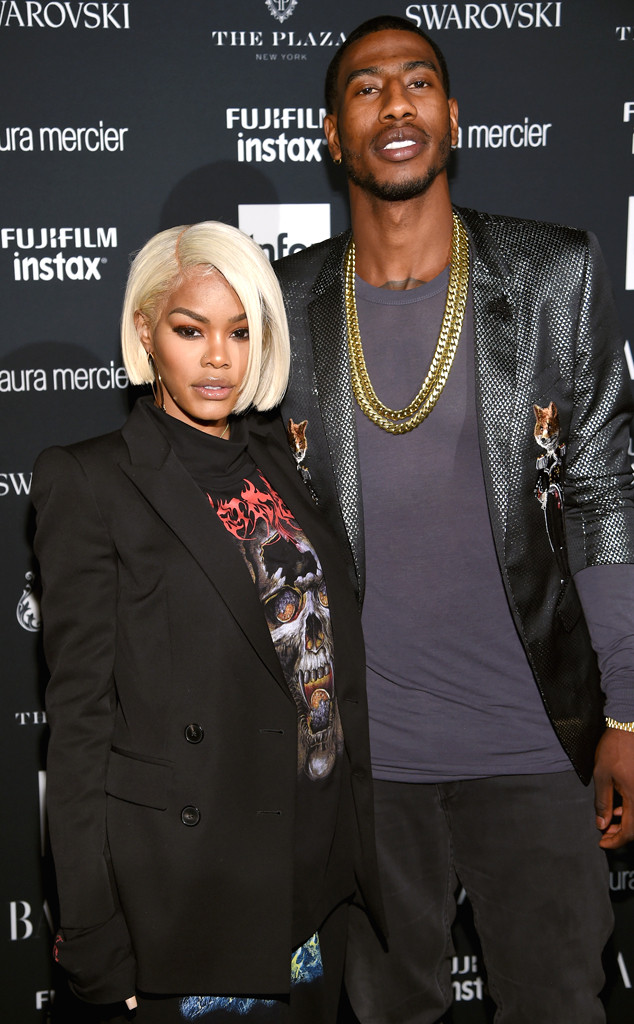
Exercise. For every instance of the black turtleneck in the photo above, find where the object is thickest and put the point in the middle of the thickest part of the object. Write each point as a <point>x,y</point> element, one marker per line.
<point>217,464</point>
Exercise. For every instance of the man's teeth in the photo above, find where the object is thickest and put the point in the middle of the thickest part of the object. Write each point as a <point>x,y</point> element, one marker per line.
<point>399,144</point>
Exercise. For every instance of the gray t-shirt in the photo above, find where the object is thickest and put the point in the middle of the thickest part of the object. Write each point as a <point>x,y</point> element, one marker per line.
<point>451,693</point>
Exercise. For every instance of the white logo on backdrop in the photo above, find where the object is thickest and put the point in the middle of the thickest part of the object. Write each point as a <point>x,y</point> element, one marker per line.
<point>59,378</point>
<point>286,228</point>
<point>524,134</point>
<point>21,922</point>
<point>28,609</point>
<point>465,979</point>
<point>281,9</point>
<point>14,483</point>
<point>280,147</point>
<point>48,139</point>
<point>621,880</point>
<point>55,14</point>
<point>285,40</point>
<point>60,267</point>
<point>432,17</point>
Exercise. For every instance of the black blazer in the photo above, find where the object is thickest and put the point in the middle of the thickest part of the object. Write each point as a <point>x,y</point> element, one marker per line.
<point>545,329</point>
<point>172,760</point>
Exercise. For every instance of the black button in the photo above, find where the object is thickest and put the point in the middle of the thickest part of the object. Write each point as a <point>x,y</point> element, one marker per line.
<point>190,815</point>
<point>194,732</point>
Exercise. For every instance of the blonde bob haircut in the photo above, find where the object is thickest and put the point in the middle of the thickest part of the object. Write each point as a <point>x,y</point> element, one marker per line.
<point>167,258</point>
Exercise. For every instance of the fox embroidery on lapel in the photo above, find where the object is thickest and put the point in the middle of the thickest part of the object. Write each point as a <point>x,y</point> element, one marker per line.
<point>546,430</point>
<point>296,434</point>
<point>549,485</point>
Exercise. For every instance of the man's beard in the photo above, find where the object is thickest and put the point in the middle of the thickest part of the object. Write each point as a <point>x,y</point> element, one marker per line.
<point>401,191</point>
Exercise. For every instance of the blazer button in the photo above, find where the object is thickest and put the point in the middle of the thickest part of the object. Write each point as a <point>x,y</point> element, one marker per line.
<point>190,815</point>
<point>194,732</point>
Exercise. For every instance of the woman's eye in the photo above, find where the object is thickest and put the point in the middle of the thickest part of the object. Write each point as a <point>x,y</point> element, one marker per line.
<point>242,334</point>
<point>185,331</point>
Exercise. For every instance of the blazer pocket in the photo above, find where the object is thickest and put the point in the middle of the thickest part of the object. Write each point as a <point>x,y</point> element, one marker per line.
<point>569,606</point>
<point>138,781</point>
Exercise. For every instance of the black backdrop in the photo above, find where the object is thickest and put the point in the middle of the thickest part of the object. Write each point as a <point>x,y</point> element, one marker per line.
<point>119,119</point>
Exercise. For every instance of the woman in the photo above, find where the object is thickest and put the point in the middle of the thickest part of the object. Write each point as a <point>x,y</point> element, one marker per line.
<point>208,783</point>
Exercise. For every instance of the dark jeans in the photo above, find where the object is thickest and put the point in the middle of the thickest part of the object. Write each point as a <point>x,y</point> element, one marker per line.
<point>526,850</point>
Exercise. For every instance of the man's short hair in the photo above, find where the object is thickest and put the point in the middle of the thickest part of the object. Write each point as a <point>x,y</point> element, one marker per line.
<point>168,258</point>
<point>382,23</point>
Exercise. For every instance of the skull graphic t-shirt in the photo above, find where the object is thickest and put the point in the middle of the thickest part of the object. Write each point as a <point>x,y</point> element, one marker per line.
<point>290,582</point>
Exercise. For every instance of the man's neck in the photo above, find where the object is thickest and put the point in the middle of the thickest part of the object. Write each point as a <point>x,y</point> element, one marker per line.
<point>401,245</point>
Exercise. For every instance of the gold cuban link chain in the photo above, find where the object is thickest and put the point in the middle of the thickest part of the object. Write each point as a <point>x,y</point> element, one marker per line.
<point>401,421</point>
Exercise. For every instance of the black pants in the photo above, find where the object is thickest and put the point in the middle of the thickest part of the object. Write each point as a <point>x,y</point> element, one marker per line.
<point>526,850</point>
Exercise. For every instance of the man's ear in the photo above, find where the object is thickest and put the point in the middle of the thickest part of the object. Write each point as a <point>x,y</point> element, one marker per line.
<point>332,137</point>
<point>453,121</point>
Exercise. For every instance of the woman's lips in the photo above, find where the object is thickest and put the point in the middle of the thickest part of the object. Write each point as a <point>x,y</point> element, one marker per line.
<point>214,391</point>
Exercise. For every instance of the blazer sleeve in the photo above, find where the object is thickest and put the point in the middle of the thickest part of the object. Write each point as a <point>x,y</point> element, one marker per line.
<point>78,566</point>
<point>598,479</point>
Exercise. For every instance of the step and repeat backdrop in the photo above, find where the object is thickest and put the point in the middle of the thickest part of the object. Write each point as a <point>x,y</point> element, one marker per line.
<point>120,119</point>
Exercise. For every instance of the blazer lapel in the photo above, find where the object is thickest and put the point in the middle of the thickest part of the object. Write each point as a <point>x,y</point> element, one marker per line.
<point>320,392</point>
<point>327,319</point>
<point>495,329</point>
<point>162,480</point>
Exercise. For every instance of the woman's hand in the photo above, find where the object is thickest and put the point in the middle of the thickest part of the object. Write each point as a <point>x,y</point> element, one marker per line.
<point>131,1003</point>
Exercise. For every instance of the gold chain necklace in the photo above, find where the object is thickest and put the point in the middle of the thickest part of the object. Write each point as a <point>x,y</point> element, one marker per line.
<point>401,421</point>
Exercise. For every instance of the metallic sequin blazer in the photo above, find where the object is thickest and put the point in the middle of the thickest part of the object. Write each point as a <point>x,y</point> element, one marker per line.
<point>545,329</point>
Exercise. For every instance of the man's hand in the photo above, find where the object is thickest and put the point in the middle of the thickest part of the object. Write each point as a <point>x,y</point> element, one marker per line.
<point>614,772</point>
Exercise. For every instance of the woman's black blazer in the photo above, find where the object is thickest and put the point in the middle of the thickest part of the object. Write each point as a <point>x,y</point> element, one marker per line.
<point>172,761</point>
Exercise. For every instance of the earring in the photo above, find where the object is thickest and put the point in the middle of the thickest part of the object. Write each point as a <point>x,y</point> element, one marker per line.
<point>336,160</point>
<point>157,384</point>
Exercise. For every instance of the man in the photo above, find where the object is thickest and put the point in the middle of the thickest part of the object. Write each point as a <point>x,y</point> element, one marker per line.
<point>466,513</point>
